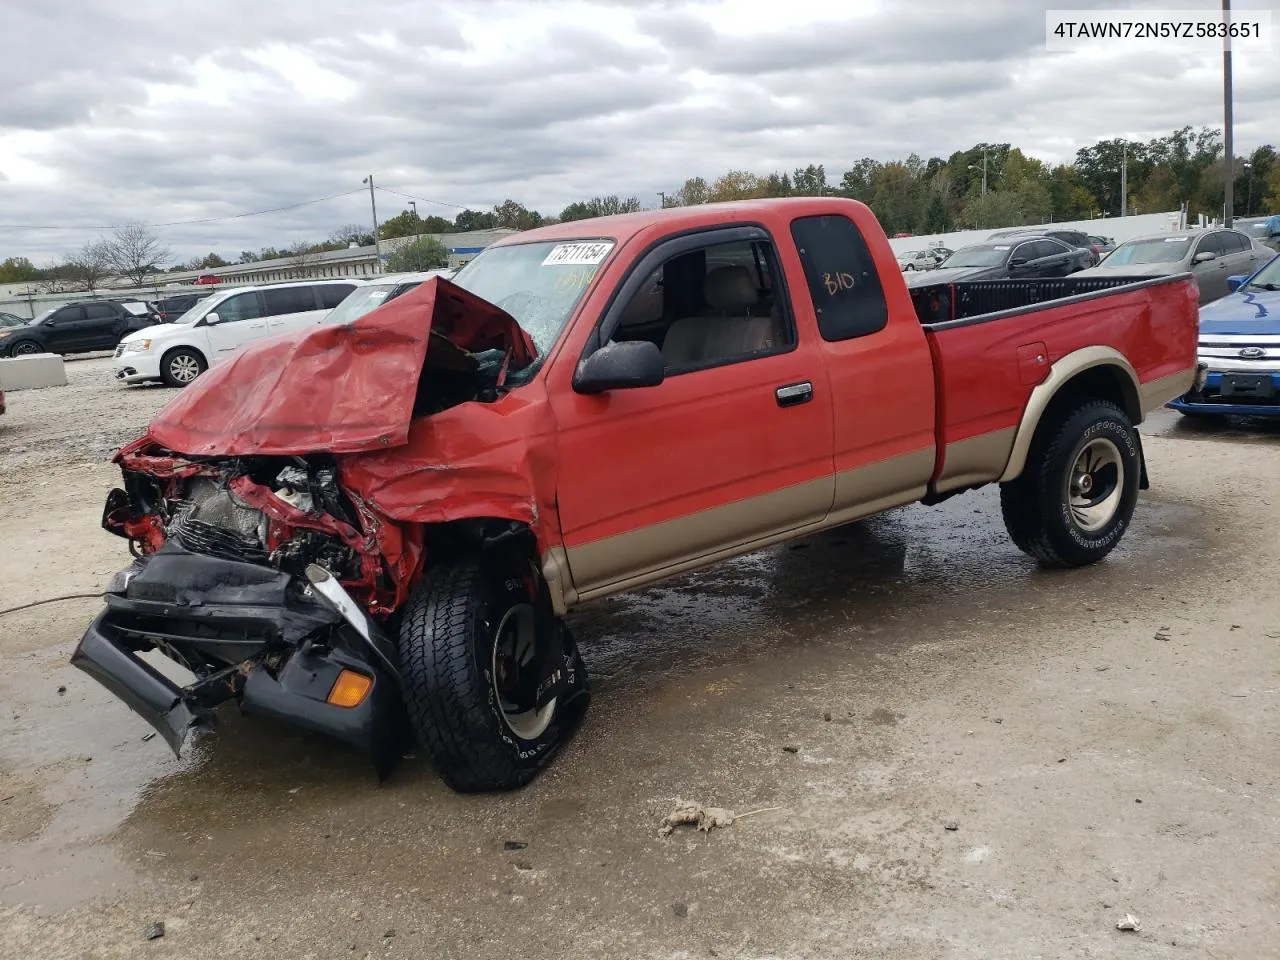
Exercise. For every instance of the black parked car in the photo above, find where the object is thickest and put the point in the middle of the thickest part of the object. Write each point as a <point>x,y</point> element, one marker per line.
<point>1072,238</point>
<point>170,308</point>
<point>1015,258</point>
<point>74,328</point>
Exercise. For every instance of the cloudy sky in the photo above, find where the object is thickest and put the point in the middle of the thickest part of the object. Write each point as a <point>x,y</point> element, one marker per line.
<point>168,110</point>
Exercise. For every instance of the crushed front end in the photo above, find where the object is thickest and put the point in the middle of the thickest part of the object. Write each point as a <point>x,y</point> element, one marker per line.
<point>254,575</point>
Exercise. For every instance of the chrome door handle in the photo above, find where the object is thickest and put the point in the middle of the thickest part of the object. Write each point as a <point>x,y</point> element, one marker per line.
<point>794,393</point>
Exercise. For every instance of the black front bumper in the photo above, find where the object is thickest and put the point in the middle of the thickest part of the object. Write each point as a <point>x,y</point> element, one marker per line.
<point>278,660</point>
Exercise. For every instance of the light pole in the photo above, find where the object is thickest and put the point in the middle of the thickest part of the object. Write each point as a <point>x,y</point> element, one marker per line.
<point>974,166</point>
<point>1247,167</point>
<point>377,247</point>
<point>413,205</point>
<point>662,199</point>
<point>1229,178</point>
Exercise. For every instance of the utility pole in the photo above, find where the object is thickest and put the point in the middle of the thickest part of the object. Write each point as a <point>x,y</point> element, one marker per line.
<point>1229,177</point>
<point>662,198</point>
<point>377,247</point>
<point>1124,178</point>
<point>984,171</point>
<point>413,205</point>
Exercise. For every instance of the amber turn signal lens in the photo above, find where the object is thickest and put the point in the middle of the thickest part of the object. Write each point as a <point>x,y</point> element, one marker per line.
<point>350,689</point>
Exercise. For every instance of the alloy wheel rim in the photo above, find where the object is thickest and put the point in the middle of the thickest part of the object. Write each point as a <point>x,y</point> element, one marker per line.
<point>1095,484</point>
<point>184,368</point>
<point>515,652</point>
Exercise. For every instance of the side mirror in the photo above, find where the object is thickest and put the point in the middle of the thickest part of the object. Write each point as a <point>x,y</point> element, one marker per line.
<point>620,366</point>
<point>1234,283</point>
<point>1204,257</point>
<point>211,318</point>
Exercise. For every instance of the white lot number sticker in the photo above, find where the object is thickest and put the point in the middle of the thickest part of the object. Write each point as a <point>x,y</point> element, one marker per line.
<point>577,254</point>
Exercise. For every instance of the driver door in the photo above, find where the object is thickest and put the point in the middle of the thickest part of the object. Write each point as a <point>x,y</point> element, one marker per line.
<point>1211,275</point>
<point>66,329</point>
<point>240,321</point>
<point>734,446</point>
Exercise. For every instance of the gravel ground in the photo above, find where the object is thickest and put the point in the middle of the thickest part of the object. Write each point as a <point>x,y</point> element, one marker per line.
<point>958,756</point>
<point>84,422</point>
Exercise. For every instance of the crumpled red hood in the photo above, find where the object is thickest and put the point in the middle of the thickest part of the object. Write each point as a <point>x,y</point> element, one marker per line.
<point>337,389</point>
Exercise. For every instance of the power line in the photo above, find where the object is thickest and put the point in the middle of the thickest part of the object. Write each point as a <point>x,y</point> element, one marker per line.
<point>182,223</point>
<point>409,196</point>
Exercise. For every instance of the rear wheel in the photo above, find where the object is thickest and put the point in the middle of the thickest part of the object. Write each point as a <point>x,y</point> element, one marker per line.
<point>181,366</point>
<point>25,348</point>
<point>493,682</point>
<point>1076,496</point>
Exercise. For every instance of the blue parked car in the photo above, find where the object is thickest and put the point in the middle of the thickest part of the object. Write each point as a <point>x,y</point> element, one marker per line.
<point>1239,350</point>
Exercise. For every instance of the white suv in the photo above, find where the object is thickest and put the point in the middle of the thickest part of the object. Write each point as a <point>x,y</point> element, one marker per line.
<point>214,328</point>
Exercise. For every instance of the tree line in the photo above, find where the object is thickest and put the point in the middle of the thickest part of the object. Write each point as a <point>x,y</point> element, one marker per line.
<point>987,186</point>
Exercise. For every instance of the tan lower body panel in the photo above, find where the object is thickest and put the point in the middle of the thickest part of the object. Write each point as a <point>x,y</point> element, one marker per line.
<point>739,528</point>
<point>671,543</point>
<point>1157,393</point>
<point>976,460</point>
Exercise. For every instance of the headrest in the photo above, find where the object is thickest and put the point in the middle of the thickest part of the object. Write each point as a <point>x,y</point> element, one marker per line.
<point>730,289</point>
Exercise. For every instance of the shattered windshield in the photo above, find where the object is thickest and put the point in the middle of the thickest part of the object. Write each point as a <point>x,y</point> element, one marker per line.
<point>539,284</point>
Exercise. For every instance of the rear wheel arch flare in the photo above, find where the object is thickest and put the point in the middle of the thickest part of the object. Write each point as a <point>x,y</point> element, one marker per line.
<point>1092,373</point>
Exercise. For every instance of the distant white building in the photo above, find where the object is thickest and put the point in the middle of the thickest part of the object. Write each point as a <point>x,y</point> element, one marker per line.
<point>27,299</point>
<point>351,262</point>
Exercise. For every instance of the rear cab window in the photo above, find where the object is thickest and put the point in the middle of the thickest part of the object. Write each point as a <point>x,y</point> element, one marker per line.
<point>844,284</point>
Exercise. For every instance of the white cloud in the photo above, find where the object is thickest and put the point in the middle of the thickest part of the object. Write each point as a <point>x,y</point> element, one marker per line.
<point>164,110</point>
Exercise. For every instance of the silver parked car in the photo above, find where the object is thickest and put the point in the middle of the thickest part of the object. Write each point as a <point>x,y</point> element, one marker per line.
<point>1209,255</point>
<point>918,260</point>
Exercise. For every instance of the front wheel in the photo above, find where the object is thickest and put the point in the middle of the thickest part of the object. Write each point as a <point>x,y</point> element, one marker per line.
<point>181,366</point>
<point>494,684</point>
<point>25,348</point>
<point>1077,494</point>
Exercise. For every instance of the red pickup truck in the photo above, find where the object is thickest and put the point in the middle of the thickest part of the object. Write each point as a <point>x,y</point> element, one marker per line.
<point>374,530</point>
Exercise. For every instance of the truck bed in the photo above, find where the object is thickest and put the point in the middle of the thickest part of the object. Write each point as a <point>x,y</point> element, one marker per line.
<point>994,341</point>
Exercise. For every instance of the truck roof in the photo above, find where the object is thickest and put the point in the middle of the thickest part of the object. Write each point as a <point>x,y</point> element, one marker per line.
<point>624,226</point>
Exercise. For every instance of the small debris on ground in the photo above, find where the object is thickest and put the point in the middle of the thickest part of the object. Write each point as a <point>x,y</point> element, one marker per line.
<point>1062,759</point>
<point>388,933</point>
<point>523,865</point>
<point>154,932</point>
<point>790,749</point>
<point>704,818</point>
<point>1130,923</point>
<point>680,909</point>
<point>148,737</point>
<point>61,691</point>
<point>514,845</point>
<point>827,716</point>
<point>1161,635</point>
<point>951,825</point>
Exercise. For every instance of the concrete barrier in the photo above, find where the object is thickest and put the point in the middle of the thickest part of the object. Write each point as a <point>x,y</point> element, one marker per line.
<point>32,371</point>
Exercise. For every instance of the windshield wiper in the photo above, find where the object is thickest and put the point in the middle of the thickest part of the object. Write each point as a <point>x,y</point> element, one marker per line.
<point>1271,287</point>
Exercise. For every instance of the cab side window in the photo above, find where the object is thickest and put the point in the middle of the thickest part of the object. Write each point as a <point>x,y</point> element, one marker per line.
<point>288,300</point>
<point>713,305</point>
<point>243,306</point>
<point>67,315</point>
<point>843,282</point>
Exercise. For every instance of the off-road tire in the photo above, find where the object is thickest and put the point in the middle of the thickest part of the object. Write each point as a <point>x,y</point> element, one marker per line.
<point>195,360</point>
<point>446,648</point>
<point>1036,506</point>
<point>25,348</point>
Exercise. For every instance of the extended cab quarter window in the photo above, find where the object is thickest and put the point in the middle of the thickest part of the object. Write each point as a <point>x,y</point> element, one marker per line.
<point>713,305</point>
<point>843,281</point>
